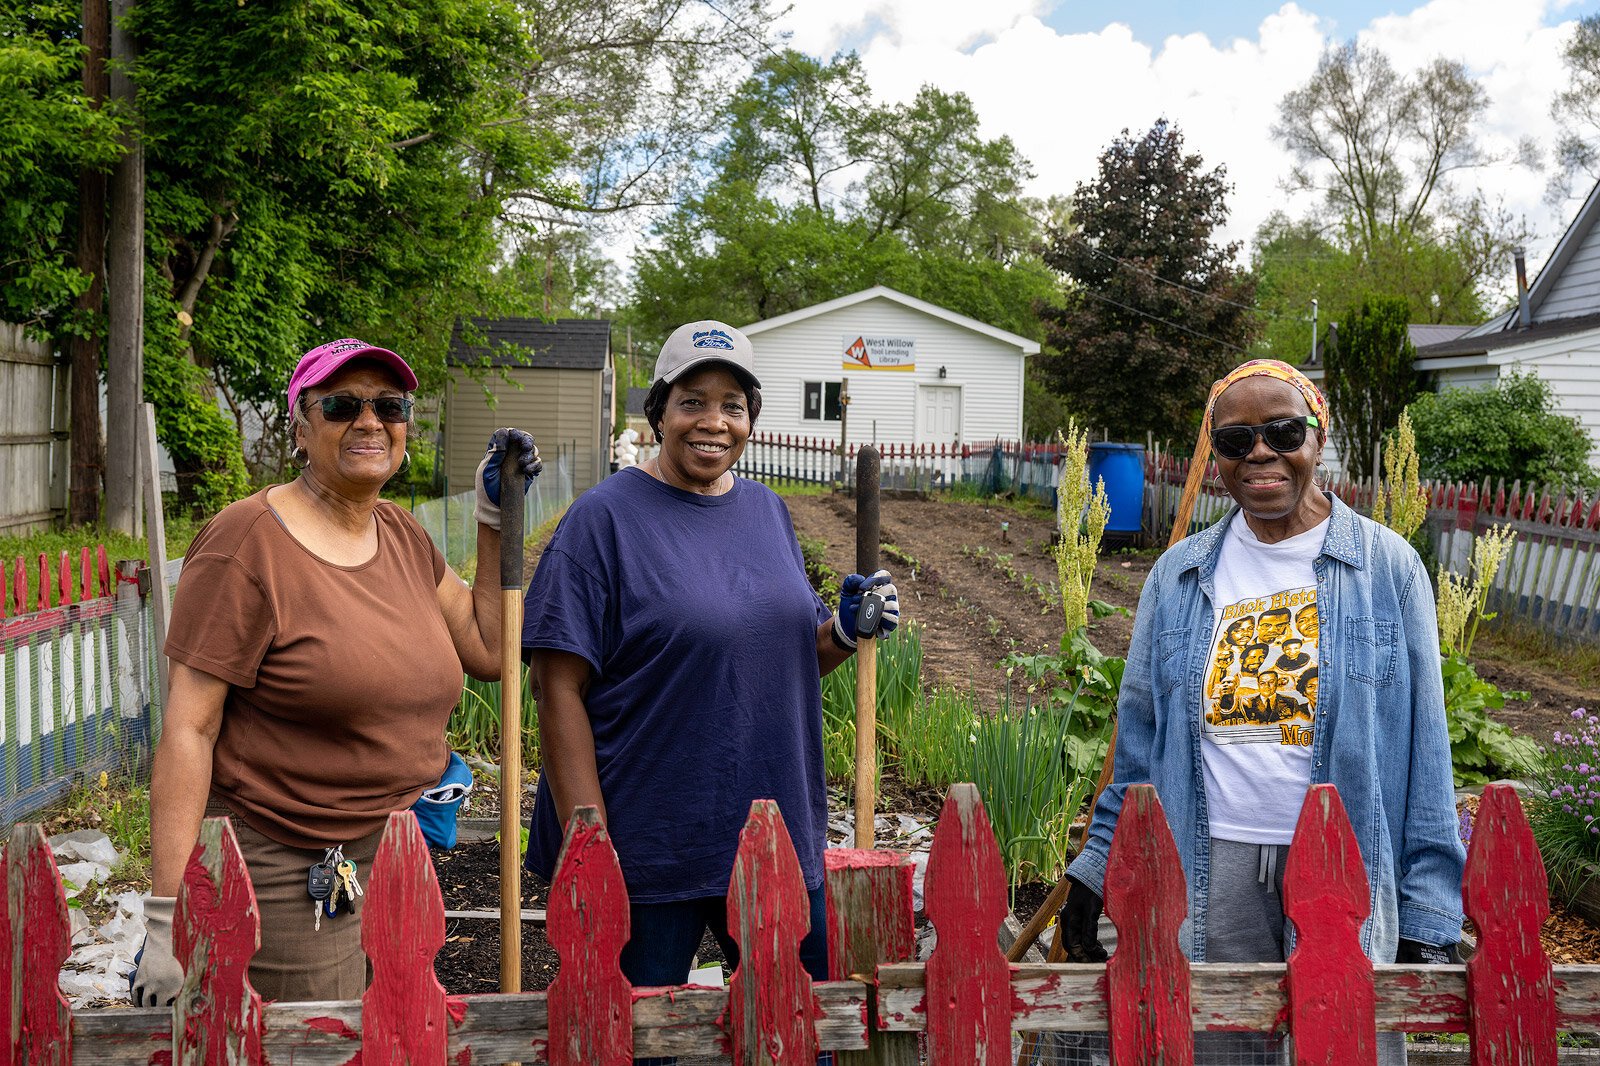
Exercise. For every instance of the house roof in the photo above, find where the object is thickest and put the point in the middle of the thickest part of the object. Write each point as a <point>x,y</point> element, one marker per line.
<point>1424,334</point>
<point>883,292</point>
<point>636,398</point>
<point>1476,343</point>
<point>1583,224</point>
<point>565,344</point>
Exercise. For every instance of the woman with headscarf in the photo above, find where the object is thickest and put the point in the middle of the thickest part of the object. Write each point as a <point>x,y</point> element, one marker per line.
<point>318,640</point>
<point>1232,786</point>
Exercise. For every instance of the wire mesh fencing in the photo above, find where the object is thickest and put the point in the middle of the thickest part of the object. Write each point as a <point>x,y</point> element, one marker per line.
<point>449,519</point>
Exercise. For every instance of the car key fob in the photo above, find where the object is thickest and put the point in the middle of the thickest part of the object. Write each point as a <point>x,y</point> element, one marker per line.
<point>869,614</point>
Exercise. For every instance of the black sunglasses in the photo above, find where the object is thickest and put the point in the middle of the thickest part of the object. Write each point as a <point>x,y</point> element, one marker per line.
<point>1281,435</point>
<point>348,408</point>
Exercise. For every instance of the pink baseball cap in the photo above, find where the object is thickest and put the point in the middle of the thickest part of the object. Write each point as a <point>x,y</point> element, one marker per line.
<point>317,365</point>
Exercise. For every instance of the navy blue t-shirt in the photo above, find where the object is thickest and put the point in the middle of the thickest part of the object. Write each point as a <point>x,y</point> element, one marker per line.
<point>696,618</point>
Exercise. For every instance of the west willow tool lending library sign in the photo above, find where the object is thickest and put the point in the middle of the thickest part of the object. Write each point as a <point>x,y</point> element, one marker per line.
<point>867,352</point>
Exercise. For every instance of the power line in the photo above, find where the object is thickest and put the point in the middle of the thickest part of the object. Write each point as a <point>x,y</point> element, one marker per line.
<point>1165,322</point>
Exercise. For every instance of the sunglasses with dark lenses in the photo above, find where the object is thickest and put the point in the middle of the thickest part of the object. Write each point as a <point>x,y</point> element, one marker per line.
<point>348,408</point>
<point>1281,435</point>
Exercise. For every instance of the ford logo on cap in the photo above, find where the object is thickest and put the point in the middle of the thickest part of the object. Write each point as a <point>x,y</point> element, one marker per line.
<point>713,338</point>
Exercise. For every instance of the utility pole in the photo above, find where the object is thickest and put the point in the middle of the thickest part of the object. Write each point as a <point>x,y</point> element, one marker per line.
<point>125,267</point>
<point>88,459</point>
<point>1313,330</point>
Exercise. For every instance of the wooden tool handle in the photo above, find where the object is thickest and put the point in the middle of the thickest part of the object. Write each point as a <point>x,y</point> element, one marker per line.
<point>866,738</point>
<point>511,510</point>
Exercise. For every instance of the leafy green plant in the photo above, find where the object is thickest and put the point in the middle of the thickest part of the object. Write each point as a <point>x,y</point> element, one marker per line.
<point>474,726</point>
<point>1510,431</point>
<point>1030,789</point>
<point>1564,809</point>
<point>1401,503</point>
<point>899,688</point>
<point>932,743</point>
<point>823,578</point>
<point>1481,748</point>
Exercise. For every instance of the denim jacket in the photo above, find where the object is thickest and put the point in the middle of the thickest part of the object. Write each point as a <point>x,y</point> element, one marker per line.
<point>1380,734</point>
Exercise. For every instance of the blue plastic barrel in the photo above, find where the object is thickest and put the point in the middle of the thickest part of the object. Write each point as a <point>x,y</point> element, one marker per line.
<point>1121,466</point>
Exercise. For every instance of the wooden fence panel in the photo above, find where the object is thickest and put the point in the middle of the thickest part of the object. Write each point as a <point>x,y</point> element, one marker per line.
<point>1509,981</point>
<point>40,1030</point>
<point>870,922</point>
<point>770,1004</point>
<point>215,934</point>
<point>32,446</point>
<point>1147,979</point>
<point>968,978</point>
<point>591,1002</point>
<point>1326,895</point>
<point>404,1020</point>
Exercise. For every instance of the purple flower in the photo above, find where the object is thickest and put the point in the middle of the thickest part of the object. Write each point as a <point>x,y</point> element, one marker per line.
<point>1566,808</point>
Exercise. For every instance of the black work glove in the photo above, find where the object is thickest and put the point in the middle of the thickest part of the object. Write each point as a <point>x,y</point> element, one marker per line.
<point>1080,923</point>
<point>1428,954</point>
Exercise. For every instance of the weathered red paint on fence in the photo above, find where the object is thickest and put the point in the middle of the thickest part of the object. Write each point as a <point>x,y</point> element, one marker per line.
<point>1509,979</point>
<point>871,921</point>
<point>964,896</point>
<point>770,1007</point>
<point>403,1016</point>
<point>1327,896</point>
<point>216,931</point>
<point>40,1018</point>
<point>1510,1001</point>
<point>1147,979</point>
<point>591,1002</point>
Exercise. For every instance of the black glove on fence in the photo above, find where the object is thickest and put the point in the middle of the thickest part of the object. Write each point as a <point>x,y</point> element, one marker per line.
<point>1428,954</point>
<point>1079,922</point>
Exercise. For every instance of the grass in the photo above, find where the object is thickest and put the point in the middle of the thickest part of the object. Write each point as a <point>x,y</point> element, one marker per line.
<point>799,488</point>
<point>119,807</point>
<point>474,726</point>
<point>1510,641</point>
<point>899,689</point>
<point>180,529</point>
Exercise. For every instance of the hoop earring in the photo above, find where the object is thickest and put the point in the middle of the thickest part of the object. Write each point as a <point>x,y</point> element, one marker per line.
<point>405,464</point>
<point>1321,475</point>
<point>298,458</point>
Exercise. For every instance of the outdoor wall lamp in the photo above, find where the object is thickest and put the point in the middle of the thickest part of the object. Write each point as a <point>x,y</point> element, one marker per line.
<point>941,373</point>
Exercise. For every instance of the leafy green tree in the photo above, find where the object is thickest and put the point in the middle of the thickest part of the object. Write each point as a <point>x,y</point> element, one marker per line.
<point>1382,149</point>
<point>49,132</point>
<point>1156,309</point>
<point>1512,430</point>
<point>1369,379</point>
<point>1576,109</point>
<point>314,173</point>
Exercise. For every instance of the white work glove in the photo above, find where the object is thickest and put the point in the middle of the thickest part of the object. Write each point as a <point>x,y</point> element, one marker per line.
<point>850,593</point>
<point>156,977</point>
<point>487,479</point>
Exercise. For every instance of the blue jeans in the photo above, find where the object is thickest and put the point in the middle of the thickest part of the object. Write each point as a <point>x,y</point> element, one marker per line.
<point>665,937</point>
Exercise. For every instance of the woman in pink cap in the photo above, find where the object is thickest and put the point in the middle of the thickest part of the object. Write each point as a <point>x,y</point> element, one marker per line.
<point>318,641</point>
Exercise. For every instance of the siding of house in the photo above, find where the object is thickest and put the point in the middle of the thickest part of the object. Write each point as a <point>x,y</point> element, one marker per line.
<point>559,407</point>
<point>1571,364</point>
<point>989,373</point>
<point>1577,290</point>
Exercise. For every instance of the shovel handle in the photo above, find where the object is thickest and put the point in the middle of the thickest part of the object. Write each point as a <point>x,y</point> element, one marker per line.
<point>511,511</point>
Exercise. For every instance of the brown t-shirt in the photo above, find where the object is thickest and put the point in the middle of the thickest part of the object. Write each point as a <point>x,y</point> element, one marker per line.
<point>342,677</point>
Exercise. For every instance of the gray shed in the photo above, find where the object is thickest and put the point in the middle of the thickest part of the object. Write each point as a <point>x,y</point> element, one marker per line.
<point>554,379</point>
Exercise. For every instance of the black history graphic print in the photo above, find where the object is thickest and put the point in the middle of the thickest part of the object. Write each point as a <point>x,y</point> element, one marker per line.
<point>1261,684</point>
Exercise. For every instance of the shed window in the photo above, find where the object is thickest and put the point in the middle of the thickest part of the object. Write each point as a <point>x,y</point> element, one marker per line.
<point>821,401</point>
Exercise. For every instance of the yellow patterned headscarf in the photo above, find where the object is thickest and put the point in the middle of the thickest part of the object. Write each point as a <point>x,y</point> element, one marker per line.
<point>1274,368</point>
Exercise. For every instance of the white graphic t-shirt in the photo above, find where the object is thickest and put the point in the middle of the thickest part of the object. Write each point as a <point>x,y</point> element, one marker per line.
<point>1258,706</point>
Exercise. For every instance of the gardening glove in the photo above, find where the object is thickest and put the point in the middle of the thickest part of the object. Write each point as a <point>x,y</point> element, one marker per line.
<point>156,977</point>
<point>488,477</point>
<point>850,593</point>
<point>1428,954</point>
<point>1079,923</point>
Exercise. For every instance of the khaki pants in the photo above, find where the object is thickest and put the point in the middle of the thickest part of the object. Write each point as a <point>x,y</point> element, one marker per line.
<point>296,961</point>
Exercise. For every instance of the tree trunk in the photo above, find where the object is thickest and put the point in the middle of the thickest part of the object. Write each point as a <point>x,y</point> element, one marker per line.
<point>88,455</point>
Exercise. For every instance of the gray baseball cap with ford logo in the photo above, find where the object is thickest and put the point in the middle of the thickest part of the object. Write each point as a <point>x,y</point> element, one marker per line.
<point>706,341</point>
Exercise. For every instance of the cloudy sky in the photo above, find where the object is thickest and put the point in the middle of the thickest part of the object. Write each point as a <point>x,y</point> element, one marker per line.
<point>1063,77</point>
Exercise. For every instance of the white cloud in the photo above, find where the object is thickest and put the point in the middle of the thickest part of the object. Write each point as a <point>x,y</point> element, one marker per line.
<point>1062,97</point>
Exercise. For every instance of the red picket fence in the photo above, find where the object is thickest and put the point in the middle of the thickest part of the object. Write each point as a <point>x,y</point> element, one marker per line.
<point>44,598</point>
<point>966,998</point>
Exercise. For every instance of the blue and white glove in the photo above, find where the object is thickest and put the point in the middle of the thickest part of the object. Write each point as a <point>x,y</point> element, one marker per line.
<point>850,593</point>
<point>488,477</point>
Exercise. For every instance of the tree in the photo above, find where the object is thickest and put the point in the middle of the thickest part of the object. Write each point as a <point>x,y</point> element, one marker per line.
<point>933,208</point>
<point>1511,430</point>
<point>1369,379</point>
<point>312,177</point>
<point>1382,148</point>
<point>1576,110</point>
<point>1156,310</point>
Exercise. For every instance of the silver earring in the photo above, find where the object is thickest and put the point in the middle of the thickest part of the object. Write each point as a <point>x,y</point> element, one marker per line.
<point>1320,476</point>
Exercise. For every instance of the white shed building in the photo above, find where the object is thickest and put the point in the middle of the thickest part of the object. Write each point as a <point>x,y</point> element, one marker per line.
<point>918,373</point>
